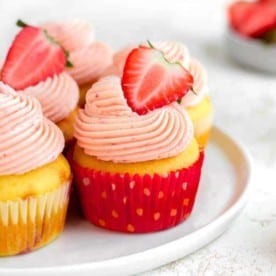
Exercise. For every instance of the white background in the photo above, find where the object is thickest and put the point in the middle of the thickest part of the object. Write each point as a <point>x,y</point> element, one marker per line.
<point>244,100</point>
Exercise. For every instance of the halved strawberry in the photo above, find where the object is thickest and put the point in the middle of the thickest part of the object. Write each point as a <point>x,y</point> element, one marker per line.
<point>32,57</point>
<point>251,19</point>
<point>267,1</point>
<point>238,13</point>
<point>261,20</point>
<point>149,81</point>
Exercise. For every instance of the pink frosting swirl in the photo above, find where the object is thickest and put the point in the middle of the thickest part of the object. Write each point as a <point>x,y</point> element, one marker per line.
<point>109,130</point>
<point>200,86</point>
<point>118,62</point>
<point>89,58</point>
<point>174,52</point>
<point>57,95</point>
<point>90,62</point>
<point>73,35</point>
<point>27,139</point>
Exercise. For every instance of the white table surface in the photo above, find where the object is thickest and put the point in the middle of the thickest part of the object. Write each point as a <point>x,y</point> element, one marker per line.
<point>244,100</point>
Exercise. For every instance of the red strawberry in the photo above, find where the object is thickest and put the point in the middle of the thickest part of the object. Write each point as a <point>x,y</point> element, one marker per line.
<point>238,13</point>
<point>267,1</point>
<point>251,19</point>
<point>32,57</point>
<point>149,81</point>
<point>261,20</point>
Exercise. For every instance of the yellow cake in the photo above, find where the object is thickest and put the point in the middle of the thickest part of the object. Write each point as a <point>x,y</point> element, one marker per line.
<point>67,125</point>
<point>183,160</point>
<point>33,207</point>
<point>202,118</point>
<point>83,90</point>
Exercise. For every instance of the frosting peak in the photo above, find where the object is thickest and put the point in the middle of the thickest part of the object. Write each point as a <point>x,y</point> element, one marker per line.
<point>27,139</point>
<point>109,130</point>
<point>72,35</point>
<point>57,95</point>
<point>89,57</point>
<point>200,86</point>
<point>174,52</point>
<point>90,62</point>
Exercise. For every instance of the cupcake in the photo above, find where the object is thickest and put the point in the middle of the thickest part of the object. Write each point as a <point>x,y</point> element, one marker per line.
<point>196,101</point>
<point>89,57</point>
<point>136,163</point>
<point>43,76</point>
<point>34,177</point>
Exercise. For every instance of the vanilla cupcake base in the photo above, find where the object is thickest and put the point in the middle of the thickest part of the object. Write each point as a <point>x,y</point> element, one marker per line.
<point>67,126</point>
<point>83,90</point>
<point>203,128</point>
<point>28,224</point>
<point>33,207</point>
<point>202,118</point>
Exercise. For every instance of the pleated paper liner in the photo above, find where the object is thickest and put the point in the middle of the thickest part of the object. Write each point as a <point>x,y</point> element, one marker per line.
<point>28,224</point>
<point>137,203</point>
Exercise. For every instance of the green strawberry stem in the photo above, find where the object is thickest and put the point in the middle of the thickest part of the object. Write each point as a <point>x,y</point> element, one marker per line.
<point>69,64</point>
<point>21,23</point>
<point>193,91</point>
<point>67,53</point>
<point>150,44</point>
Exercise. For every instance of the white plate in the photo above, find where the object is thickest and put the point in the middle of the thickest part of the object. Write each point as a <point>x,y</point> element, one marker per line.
<point>251,52</point>
<point>86,249</point>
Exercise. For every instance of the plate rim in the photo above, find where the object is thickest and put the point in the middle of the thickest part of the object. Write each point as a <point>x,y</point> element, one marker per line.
<point>225,218</point>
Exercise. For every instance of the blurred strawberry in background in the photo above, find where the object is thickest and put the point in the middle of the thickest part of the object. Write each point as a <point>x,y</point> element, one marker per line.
<point>254,19</point>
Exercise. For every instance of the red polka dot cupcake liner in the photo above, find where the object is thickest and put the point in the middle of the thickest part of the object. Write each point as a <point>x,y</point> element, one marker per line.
<point>137,203</point>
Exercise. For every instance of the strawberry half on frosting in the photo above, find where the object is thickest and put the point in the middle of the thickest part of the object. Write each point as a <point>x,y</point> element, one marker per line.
<point>35,65</point>
<point>90,57</point>
<point>150,81</point>
<point>33,57</point>
<point>196,100</point>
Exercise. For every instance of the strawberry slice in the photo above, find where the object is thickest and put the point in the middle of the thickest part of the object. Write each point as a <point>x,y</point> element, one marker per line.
<point>149,81</point>
<point>271,4</point>
<point>238,13</point>
<point>261,20</point>
<point>32,57</point>
<point>267,1</point>
<point>251,19</point>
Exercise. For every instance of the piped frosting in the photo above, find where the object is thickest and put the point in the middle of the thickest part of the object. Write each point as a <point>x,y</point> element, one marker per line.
<point>27,139</point>
<point>108,129</point>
